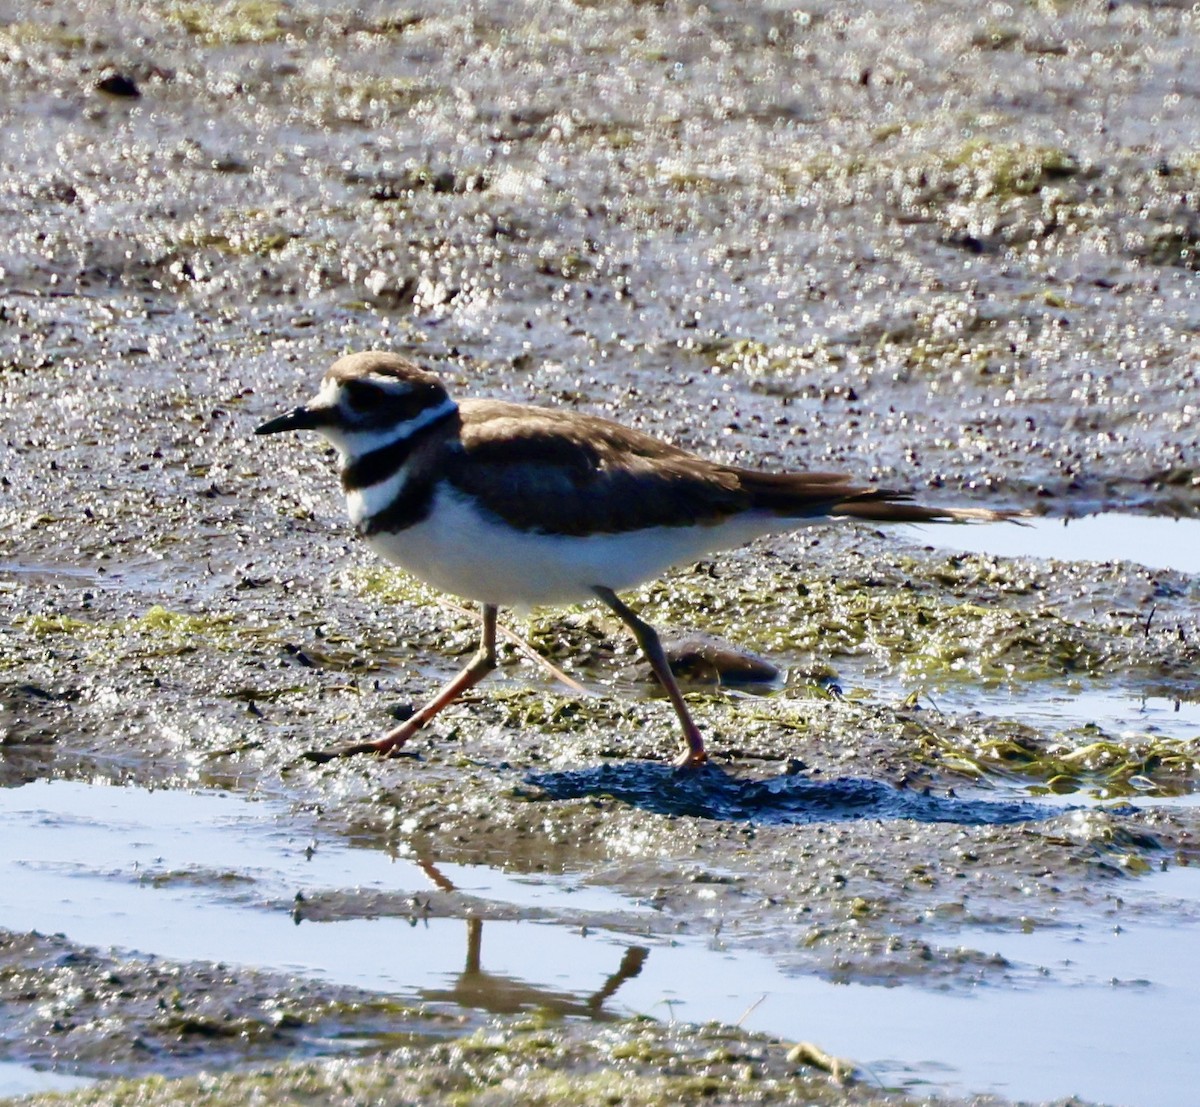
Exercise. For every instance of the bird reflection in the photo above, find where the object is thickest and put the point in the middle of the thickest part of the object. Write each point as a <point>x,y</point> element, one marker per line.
<point>479,989</point>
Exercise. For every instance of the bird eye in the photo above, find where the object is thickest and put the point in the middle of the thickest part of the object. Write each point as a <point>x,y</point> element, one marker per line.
<point>361,397</point>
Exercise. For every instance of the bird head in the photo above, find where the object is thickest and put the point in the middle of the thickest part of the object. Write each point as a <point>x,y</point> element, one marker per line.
<point>367,401</point>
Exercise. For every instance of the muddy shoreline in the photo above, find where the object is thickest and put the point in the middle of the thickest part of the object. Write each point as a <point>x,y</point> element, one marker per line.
<point>942,250</point>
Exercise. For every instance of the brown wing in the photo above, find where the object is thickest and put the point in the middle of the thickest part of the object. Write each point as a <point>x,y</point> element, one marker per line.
<point>565,473</point>
<point>559,472</point>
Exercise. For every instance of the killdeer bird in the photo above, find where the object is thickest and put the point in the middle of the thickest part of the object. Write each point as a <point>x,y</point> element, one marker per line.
<point>511,505</point>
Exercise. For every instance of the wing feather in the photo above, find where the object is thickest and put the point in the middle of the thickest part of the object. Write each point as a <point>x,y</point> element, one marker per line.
<point>561,472</point>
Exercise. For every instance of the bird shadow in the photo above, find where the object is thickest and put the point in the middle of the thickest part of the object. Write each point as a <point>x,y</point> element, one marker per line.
<point>787,799</point>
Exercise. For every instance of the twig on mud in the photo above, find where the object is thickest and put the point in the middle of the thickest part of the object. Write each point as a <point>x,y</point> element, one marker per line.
<point>527,650</point>
<point>749,1010</point>
<point>805,1053</point>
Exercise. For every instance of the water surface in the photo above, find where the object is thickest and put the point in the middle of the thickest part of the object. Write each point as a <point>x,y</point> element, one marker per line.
<point>1156,542</point>
<point>209,877</point>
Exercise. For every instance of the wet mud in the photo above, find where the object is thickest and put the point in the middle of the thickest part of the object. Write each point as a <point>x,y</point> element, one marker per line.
<point>947,250</point>
<point>95,1013</point>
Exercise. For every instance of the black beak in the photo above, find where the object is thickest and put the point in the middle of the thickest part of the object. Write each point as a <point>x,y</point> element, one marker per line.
<point>300,418</point>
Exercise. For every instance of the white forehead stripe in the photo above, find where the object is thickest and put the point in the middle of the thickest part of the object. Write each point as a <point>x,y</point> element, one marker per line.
<point>390,384</point>
<point>355,443</point>
<point>429,415</point>
<point>328,394</point>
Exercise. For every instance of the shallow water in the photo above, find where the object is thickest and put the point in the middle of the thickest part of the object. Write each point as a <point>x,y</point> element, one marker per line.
<point>1055,709</point>
<point>17,1079</point>
<point>210,877</point>
<point>1153,541</point>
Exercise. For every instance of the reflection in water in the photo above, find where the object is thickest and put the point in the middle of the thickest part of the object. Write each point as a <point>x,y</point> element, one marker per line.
<point>477,989</point>
<point>130,868</point>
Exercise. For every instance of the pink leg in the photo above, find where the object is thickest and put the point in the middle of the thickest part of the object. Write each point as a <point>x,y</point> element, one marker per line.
<point>477,668</point>
<point>694,754</point>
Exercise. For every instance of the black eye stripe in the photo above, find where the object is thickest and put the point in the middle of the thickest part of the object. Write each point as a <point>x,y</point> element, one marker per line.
<point>374,406</point>
<point>362,397</point>
<point>371,468</point>
<point>411,405</point>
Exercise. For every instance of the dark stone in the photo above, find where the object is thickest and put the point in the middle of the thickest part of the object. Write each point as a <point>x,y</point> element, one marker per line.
<point>118,84</point>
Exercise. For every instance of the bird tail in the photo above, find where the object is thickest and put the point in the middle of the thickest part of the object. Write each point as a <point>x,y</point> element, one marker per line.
<point>801,495</point>
<point>887,506</point>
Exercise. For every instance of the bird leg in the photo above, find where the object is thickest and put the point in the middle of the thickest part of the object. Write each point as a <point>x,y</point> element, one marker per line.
<point>694,755</point>
<point>477,668</point>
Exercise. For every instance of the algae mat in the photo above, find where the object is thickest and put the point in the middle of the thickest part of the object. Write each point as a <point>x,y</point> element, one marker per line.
<point>947,250</point>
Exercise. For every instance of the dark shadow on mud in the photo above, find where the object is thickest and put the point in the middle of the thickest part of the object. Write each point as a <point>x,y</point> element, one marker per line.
<point>713,793</point>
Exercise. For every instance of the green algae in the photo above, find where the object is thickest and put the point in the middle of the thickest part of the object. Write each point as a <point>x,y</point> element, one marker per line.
<point>24,33</point>
<point>232,22</point>
<point>1175,243</point>
<point>981,168</point>
<point>984,169</point>
<point>180,625</point>
<point>925,636</point>
<point>240,240</point>
<point>44,626</point>
<point>1143,765</point>
<point>159,632</point>
<point>547,714</point>
<point>175,628</point>
<point>380,582</point>
<point>755,358</point>
<point>635,1063</point>
<point>954,338</point>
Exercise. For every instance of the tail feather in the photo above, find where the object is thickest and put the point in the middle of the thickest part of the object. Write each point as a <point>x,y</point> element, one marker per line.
<point>801,495</point>
<point>893,507</point>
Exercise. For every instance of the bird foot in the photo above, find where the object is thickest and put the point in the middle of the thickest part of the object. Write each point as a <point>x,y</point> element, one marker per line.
<point>691,759</point>
<point>387,746</point>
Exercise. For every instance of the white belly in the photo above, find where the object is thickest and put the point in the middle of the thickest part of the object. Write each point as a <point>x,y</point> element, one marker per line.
<point>459,550</point>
